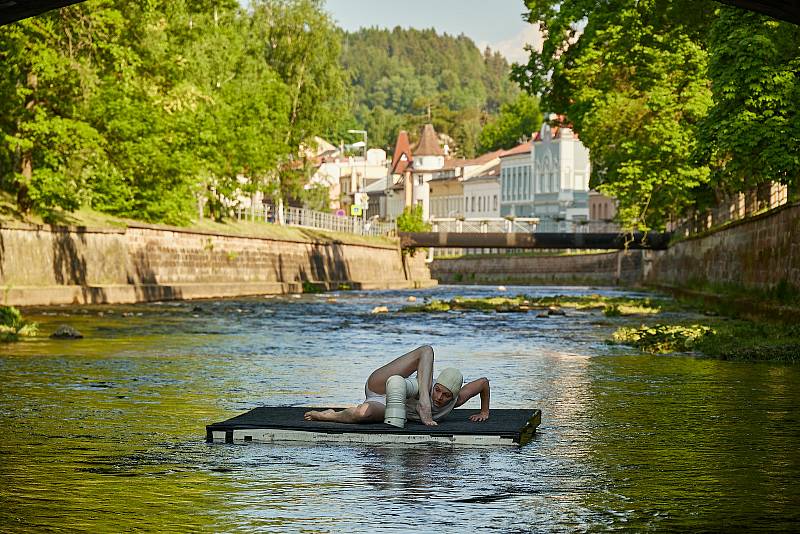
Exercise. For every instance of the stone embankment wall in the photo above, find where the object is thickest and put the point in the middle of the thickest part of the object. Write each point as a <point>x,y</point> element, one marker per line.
<point>42,265</point>
<point>607,268</point>
<point>757,253</point>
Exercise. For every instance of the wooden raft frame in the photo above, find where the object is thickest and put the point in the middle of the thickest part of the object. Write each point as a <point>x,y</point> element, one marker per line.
<point>269,424</point>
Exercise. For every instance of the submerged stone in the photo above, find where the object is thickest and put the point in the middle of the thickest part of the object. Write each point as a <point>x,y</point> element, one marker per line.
<point>66,332</point>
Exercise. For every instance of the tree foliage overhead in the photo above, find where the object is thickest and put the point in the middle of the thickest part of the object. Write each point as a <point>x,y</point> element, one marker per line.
<point>673,98</point>
<point>400,76</point>
<point>138,107</point>
<point>633,85</point>
<point>752,132</point>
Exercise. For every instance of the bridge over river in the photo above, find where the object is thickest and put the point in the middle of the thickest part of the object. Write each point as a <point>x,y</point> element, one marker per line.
<point>531,234</point>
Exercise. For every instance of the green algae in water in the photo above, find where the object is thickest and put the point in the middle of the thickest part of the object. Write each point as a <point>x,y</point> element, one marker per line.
<point>661,338</point>
<point>612,306</point>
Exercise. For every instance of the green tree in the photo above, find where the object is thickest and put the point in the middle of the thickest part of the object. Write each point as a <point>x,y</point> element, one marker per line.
<point>402,78</point>
<point>516,119</point>
<point>299,41</point>
<point>633,84</point>
<point>48,71</point>
<point>411,220</point>
<point>752,132</point>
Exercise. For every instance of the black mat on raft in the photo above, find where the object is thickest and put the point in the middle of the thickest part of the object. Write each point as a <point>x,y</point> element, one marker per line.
<point>518,425</point>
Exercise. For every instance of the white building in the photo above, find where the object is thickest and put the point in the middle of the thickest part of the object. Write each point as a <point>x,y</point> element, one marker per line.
<point>346,175</point>
<point>516,193</point>
<point>482,194</point>
<point>553,185</point>
<point>561,171</point>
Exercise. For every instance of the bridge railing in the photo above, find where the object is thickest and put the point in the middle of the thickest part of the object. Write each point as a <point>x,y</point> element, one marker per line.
<point>520,224</point>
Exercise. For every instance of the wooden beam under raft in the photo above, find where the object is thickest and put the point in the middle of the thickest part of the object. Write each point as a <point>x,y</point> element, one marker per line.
<point>270,424</point>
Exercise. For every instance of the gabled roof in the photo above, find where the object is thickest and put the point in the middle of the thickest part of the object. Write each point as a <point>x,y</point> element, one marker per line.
<point>492,173</point>
<point>401,148</point>
<point>521,148</point>
<point>428,143</point>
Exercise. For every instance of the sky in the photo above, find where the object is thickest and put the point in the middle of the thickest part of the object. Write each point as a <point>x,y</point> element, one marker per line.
<point>496,23</point>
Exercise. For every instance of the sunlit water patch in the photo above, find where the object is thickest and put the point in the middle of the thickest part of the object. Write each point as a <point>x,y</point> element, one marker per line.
<point>106,433</point>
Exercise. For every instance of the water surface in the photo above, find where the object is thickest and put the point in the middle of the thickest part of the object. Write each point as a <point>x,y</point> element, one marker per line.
<point>107,433</point>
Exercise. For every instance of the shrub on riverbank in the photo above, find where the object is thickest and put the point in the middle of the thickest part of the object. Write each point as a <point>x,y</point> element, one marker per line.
<point>720,338</point>
<point>12,325</point>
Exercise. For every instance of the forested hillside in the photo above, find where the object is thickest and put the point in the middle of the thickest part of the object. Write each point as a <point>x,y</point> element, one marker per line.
<point>400,77</point>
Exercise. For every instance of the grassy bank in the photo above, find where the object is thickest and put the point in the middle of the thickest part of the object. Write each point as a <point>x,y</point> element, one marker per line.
<point>94,219</point>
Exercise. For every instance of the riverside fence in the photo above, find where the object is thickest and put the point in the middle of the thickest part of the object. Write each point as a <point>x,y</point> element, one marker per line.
<point>736,207</point>
<point>316,219</point>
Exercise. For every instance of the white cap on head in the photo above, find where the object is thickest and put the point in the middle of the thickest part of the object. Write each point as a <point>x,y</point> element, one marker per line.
<point>452,379</point>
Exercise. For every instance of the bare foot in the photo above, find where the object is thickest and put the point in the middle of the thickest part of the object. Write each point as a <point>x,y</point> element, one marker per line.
<point>326,415</point>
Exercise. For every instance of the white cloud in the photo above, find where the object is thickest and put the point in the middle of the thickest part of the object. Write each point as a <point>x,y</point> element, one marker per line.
<point>514,48</point>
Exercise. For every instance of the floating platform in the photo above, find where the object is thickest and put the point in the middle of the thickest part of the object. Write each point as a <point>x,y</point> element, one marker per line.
<point>270,424</point>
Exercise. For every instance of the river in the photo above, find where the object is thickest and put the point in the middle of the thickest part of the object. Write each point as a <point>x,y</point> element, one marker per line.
<point>107,433</point>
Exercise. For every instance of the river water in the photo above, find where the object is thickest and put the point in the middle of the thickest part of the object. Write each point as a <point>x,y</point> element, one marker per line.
<point>107,433</point>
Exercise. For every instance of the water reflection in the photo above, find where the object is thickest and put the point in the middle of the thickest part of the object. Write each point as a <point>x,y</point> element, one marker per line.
<point>106,432</point>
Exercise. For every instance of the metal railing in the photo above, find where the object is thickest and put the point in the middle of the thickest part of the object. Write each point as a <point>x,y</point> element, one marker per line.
<point>739,206</point>
<point>316,219</point>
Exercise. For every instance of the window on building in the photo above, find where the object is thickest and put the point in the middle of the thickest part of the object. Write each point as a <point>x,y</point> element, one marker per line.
<point>472,199</point>
<point>494,203</point>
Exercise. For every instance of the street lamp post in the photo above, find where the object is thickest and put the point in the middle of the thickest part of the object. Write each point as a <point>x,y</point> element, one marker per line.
<point>360,188</point>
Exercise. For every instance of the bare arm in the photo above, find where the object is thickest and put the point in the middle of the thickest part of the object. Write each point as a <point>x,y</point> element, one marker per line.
<point>476,387</point>
<point>425,378</point>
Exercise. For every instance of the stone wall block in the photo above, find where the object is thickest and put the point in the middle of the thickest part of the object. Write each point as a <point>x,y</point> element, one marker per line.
<point>155,263</point>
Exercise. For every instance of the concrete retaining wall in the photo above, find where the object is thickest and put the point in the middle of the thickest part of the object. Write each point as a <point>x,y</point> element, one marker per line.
<point>759,253</point>
<point>606,268</point>
<point>41,265</point>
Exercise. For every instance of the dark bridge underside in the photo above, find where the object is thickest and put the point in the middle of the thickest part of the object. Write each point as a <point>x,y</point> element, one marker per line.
<point>638,240</point>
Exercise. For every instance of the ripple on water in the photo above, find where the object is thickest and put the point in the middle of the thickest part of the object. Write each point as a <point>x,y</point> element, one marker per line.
<point>107,431</point>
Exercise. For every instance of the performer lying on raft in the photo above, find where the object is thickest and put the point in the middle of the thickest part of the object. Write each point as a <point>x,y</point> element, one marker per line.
<point>393,397</point>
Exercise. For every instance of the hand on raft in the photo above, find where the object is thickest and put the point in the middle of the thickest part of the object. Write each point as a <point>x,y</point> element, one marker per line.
<point>478,417</point>
<point>424,411</point>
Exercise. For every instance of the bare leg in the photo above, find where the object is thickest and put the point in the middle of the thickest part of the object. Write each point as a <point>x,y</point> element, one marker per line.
<point>419,360</point>
<point>367,412</point>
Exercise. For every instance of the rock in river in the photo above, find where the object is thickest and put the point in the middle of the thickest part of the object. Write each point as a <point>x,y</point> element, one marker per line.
<point>66,332</point>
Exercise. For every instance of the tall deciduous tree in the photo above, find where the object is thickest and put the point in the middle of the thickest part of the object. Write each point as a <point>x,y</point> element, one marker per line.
<point>48,72</point>
<point>299,41</point>
<point>631,77</point>
<point>752,132</point>
<point>517,119</point>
